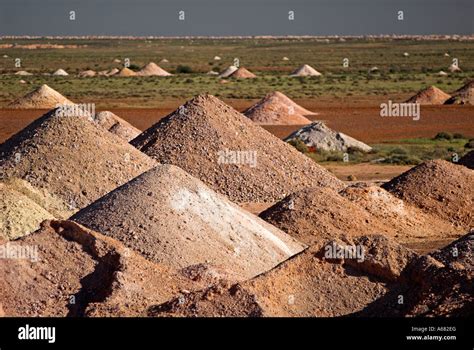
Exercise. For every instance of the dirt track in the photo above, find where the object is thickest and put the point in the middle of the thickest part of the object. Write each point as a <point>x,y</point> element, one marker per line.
<point>363,123</point>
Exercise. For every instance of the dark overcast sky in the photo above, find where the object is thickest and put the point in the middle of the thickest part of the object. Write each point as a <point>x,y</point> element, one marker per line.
<point>235,17</point>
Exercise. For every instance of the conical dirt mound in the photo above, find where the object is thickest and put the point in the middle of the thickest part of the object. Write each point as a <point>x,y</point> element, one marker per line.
<point>307,285</point>
<point>215,143</point>
<point>440,188</point>
<point>429,96</point>
<point>71,158</point>
<point>104,277</point>
<point>304,71</point>
<point>277,109</point>
<point>464,95</point>
<point>125,72</point>
<point>468,160</point>
<point>42,98</point>
<point>313,213</point>
<point>169,216</point>
<point>116,125</point>
<point>152,69</point>
<point>61,72</point>
<point>242,73</point>
<point>317,135</point>
<point>409,225</point>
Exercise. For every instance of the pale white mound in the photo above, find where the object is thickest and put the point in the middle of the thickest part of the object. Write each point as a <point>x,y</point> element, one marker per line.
<point>61,72</point>
<point>171,217</point>
<point>152,69</point>
<point>228,72</point>
<point>304,71</point>
<point>23,73</point>
<point>319,136</point>
<point>453,68</point>
<point>43,97</point>
<point>19,215</point>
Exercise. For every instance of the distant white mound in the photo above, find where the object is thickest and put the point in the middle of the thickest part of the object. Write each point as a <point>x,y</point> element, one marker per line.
<point>61,73</point>
<point>305,71</point>
<point>319,136</point>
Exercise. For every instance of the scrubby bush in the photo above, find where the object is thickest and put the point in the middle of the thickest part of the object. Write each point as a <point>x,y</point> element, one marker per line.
<point>184,69</point>
<point>398,151</point>
<point>299,145</point>
<point>402,159</point>
<point>443,135</point>
<point>470,144</point>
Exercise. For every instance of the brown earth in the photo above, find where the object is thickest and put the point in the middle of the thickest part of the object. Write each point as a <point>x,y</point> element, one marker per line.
<point>366,172</point>
<point>79,272</point>
<point>406,223</point>
<point>432,287</point>
<point>72,159</point>
<point>116,125</point>
<point>315,213</point>
<point>440,188</point>
<point>308,284</point>
<point>204,134</point>
<point>171,217</point>
<point>362,122</point>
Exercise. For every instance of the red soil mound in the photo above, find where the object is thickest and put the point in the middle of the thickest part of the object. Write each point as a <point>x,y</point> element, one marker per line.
<point>72,158</point>
<point>242,73</point>
<point>227,151</point>
<point>357,210</point>
<point>440,188</point>
<point>42,98</point>
<point>277,109</point>
<point>430,96</point>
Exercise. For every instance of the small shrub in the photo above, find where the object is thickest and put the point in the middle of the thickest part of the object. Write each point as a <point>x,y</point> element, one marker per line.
<point>398,150</point>
<point>184,69</point>
<point>134,67</point>
<point>470,144</point>
<point>402,159</point>
<point>443,136</point>
<point>299,145</point>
